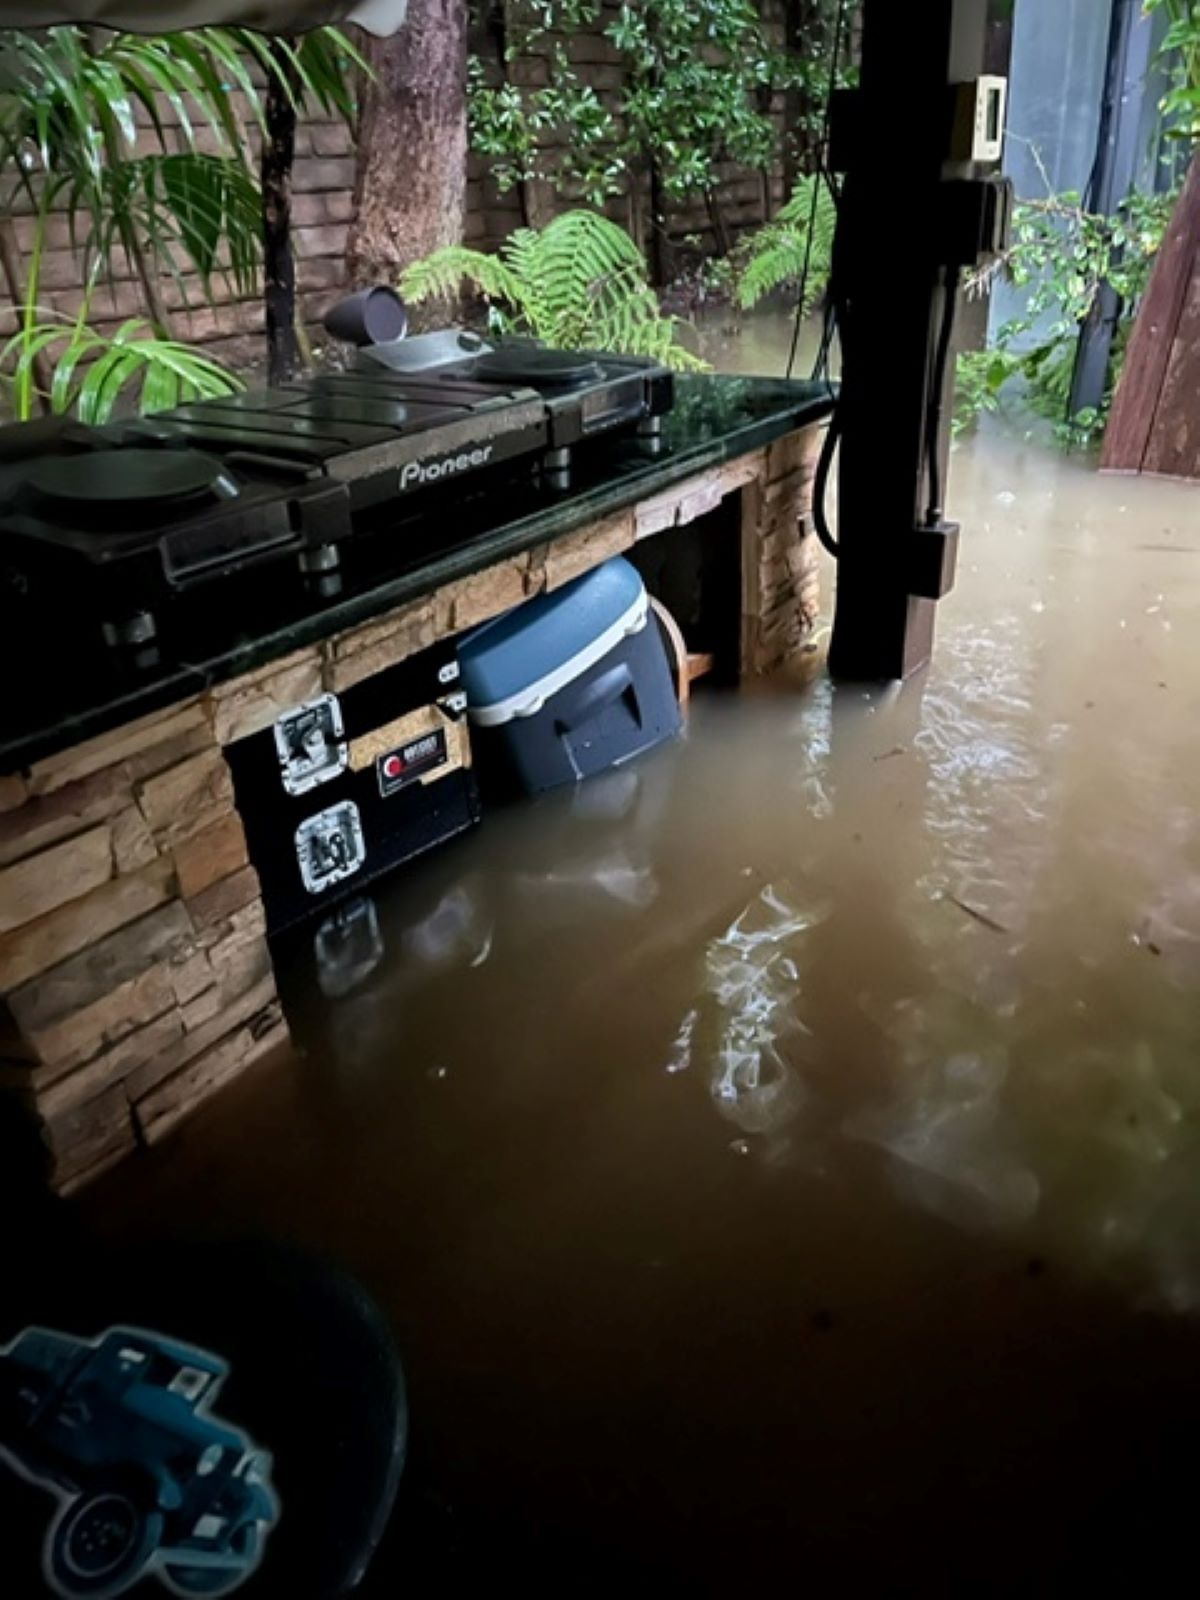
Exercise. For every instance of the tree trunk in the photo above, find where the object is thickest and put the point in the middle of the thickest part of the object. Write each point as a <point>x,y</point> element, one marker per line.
<point>497,28</point>
<point>662,255</point>
<point>720,227</point>
<point>803,36</point>
<point>151,283</point>
<point>279,262</point>
<point>410,190</point>
<point>767,174</point>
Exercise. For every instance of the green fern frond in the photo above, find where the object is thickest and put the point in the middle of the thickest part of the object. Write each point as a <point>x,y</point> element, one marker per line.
<point>780,253</point>
<point>443,274</point>
<point>577,255</point>
<point>577,284</point>
<point>521,253</point>
<point>627,320</point>
<point>776,261</point>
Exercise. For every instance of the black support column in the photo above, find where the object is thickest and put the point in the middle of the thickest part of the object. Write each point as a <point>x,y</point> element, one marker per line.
<point>891,293</point>
<point>1131,48</point>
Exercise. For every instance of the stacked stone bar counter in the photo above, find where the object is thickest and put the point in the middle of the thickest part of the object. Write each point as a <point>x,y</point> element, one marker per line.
<point>135,975</point>
<point>134,966</point>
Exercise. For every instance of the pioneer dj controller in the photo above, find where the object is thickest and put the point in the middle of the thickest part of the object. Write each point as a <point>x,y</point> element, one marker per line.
<point>129,515</point>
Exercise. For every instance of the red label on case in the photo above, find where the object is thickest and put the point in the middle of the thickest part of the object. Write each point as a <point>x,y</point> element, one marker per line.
<point>408,762</point>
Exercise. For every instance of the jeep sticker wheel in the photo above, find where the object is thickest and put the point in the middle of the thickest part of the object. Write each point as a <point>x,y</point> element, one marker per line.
<point>205,1580</point>
<point>218,1580</point>
<point>101,1544</point>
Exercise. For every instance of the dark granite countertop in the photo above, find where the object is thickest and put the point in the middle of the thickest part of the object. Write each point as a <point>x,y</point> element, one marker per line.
<point>63,685</point>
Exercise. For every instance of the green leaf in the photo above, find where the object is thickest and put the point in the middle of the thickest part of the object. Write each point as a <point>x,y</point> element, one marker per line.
<point>105,379</point>
<point>62,387</point>
<point>94,371</point>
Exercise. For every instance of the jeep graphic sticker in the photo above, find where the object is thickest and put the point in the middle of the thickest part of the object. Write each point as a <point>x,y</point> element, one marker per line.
<point>149,1482</point>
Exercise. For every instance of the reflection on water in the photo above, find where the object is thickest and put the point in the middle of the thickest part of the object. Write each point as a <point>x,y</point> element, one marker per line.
<point>752,985</point>
<point>1032,836</point>
<point>927,959</point>
<point>347,947</point>
<point>949,1123</point>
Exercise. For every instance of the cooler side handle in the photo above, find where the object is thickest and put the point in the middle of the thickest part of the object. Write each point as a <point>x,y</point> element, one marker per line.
<point>605,691</point>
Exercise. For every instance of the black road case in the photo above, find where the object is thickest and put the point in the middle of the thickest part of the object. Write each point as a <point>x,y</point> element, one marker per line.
<point>345,787</point>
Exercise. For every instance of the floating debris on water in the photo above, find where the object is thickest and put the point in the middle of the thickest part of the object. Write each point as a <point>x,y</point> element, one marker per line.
<point>681,1051</point>
<point>978,916</point>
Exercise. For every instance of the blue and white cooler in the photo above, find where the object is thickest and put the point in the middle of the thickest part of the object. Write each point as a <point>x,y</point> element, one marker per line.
<point>569,684</point>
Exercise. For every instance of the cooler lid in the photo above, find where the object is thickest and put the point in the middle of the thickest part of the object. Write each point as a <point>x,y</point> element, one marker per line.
<point>512,666</point>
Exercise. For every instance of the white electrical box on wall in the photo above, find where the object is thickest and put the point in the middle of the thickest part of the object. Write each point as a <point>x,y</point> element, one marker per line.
<point>979,112</point>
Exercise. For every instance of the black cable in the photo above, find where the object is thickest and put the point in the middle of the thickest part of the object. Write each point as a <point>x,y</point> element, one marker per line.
<point>816,192</point>
<point>822,364</point>
<point>820,367</point>
<point>933,417</point>
<point>820,486</point>
<point>837,320</point>
<point>822,175</point>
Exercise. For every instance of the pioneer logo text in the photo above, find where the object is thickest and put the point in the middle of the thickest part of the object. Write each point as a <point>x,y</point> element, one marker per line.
<point>447,467</point>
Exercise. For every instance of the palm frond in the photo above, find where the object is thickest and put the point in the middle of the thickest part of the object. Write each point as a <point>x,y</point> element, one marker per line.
<point>197,64</point>
<point>74,97</point>
<point>214,204</point>
<point>95,371</point>
<point>76,101</point>
<point>76,105</point>
<point>317,70</point>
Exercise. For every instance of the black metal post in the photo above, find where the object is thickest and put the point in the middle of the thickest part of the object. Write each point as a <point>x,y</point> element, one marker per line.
<point>1130,52</point>
<point>892,287</point>
<point>279,260</point>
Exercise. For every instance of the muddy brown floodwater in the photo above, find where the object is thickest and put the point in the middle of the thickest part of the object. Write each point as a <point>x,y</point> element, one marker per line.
<point>780,1160</point>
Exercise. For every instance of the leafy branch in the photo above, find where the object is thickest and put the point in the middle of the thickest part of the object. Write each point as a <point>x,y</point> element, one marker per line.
<point>1064,254</point>
<point>696,82</point>
<point>1181,49</point>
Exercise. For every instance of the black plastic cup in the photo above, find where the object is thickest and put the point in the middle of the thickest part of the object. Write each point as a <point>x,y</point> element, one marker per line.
<point>371,316</point>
